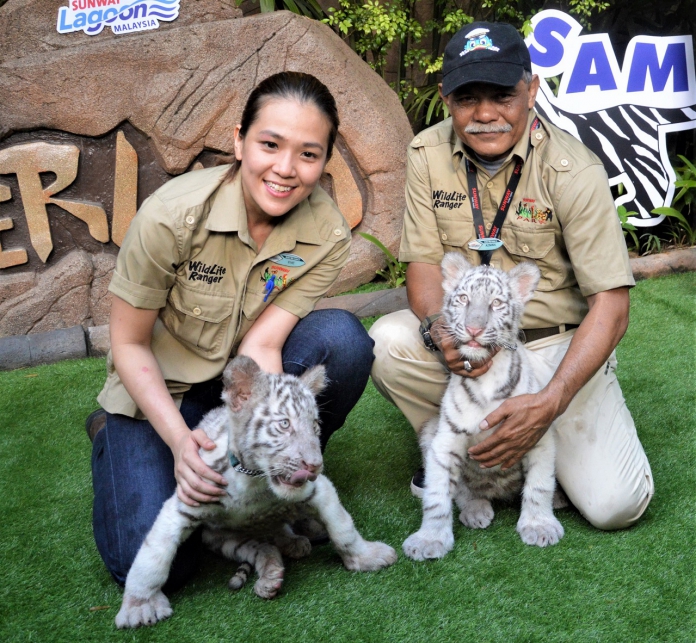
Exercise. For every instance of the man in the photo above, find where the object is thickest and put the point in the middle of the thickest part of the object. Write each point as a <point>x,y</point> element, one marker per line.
<point>561,216</point>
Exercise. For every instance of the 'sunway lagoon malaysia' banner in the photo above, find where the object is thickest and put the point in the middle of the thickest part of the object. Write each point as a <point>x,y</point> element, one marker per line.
<point>123,16</point>
<point>623,114</point>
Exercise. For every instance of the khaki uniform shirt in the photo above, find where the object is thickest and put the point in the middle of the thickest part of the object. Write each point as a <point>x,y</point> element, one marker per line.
<point>562,216</point>
<point>188,252</point>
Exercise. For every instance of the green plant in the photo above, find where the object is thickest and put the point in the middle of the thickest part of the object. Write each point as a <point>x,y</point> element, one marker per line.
<point>629,230</point>
<point>584,9</point>
<point>425,101</point>
<point>682,209</point>
<point>372,27</point>
<point>681,231</point>
<point>652,244</point>
<point>395,272</point>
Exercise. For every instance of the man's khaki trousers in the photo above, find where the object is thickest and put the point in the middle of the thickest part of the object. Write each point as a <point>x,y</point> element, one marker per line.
<point>600,462</point>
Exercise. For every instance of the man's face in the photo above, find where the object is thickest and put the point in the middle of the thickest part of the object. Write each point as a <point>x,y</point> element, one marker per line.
<point>491,119</point>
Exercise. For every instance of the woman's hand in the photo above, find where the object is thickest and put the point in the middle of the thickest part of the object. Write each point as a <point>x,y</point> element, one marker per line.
<point>131,335</point>
<point>196,481</point>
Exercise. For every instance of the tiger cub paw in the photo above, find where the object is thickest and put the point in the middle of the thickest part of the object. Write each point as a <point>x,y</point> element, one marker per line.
<point>268,587</point>
<point>540,532</point>
<point>424,545</point>
<point>371,557</point>
<point>135,612</point>
<point>294,546</point>
<point>477,514</point>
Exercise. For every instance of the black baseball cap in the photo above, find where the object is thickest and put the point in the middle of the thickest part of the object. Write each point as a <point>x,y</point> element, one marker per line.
<point>485,52</point>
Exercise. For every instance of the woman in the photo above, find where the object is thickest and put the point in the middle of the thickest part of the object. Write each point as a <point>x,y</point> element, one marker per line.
<point>223,261</point>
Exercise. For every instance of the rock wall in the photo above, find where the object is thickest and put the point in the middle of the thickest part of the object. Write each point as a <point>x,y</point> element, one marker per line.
<point>71,292</point>
<point>139,108</point>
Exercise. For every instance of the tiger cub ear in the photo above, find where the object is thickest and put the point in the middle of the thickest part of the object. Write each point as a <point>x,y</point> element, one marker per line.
<point>524,278</point>
<point>241,379</point>
<point>315,379</point>
<point>454,266</point>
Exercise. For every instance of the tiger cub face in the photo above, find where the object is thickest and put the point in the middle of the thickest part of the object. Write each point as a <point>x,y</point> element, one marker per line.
<point>483,305</point>
<point>275,424</point>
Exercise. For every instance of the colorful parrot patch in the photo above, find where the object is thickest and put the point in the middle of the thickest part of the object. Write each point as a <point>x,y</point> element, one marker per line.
<point>275,277</point>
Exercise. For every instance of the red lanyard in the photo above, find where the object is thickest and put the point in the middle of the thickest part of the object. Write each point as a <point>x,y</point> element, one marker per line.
<point>479,225</point>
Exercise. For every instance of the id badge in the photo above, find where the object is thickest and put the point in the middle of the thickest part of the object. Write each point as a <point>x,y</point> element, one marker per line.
<point>485,245</point>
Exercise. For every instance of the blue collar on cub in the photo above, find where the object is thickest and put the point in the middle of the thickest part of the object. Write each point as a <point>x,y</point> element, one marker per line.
<point>237,466</point>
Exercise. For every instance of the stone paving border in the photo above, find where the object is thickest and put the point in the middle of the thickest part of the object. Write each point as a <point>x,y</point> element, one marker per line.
<point>71,343</point>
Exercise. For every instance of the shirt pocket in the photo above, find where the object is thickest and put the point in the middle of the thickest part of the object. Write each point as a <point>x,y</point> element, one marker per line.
<point>198,319</point>
<point>539,246</point>
<point>254,303</point>
<point>455,235</point>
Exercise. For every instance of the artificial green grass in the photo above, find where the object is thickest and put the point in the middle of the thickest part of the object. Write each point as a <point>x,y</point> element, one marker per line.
<point>633,586</point>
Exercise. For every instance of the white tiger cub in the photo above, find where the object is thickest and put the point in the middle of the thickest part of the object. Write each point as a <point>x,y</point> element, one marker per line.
<point>267,446</point>
<point>482,307</point>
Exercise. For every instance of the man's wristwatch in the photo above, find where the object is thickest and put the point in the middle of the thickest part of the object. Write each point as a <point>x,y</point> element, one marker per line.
<point>425,332</point>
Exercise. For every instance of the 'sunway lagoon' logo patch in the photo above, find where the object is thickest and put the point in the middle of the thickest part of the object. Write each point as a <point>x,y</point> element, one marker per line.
<point>478,40</point>
<point>527,211</point>
<point>448,200</point>
<point>123,16</point>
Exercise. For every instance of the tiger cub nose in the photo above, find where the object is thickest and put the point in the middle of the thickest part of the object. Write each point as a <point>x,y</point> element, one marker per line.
<point>312,467</point>
<point>474,331</point>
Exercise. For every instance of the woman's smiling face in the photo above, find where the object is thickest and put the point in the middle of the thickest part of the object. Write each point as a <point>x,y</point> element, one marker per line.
<point>283,154</point>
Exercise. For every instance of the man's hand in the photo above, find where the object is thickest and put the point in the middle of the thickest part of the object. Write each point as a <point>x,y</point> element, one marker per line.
<point>196,481</point>
<point>526,418</point>
<point>523,422</point>
<point>444,340</point>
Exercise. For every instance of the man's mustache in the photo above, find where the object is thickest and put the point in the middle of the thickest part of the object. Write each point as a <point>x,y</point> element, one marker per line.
<point>482,128</point>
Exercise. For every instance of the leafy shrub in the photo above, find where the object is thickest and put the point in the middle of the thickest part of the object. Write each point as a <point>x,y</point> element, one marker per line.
<point>683,206</point>
<point>395,272</point>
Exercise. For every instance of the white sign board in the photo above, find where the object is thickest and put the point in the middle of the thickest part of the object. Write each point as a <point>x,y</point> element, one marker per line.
<point>122,16</point>
<point>623,114</point>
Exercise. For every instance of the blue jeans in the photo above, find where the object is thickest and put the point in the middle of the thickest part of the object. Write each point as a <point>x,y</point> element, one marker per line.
<point>133,469</point>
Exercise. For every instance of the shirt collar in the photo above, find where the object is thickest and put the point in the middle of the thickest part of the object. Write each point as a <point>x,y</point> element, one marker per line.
<point>459,150</point>
<point>227,211</point>
<point>228,214</point>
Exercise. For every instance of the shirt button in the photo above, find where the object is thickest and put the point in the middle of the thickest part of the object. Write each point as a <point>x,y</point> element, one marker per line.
<point>197,311</point>
<point>417,141</point>
<point>489,184</point>
<point>190,220</point>
<point>525,248</point>
<point>338,232</point>
<point>444,237</point>
<point>538,136</point>
<point>564,162</point>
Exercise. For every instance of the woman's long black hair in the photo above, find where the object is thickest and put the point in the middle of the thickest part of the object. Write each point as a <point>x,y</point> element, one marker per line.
<point>292,85</point>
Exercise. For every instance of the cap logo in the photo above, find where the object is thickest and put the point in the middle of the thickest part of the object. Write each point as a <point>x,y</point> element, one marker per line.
<point>477,39</point>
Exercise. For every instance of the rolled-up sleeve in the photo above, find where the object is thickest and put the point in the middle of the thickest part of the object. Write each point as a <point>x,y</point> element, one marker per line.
<point>146,265</point>
<point>419,240</point>
<point>301,296</point>
<point>592,233</point>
